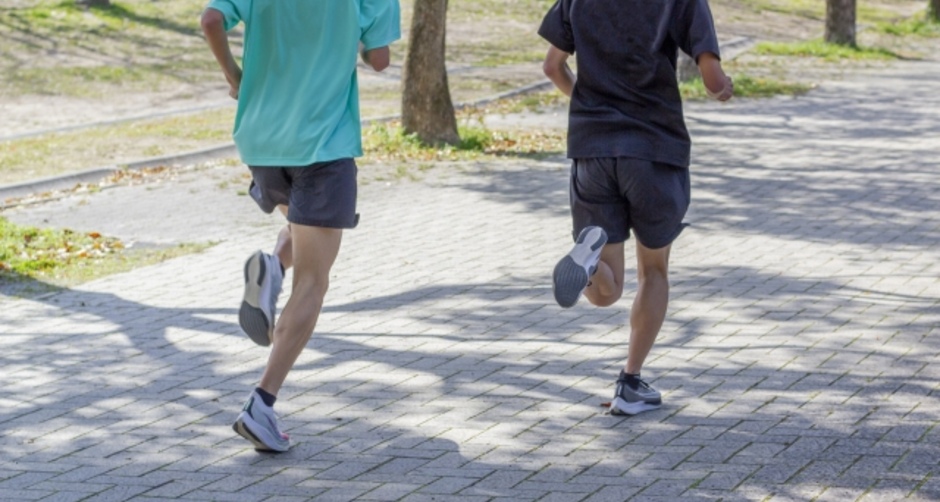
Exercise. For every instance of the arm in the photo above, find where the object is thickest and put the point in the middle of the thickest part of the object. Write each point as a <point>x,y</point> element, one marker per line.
<point>717,84</point>
<point>213,26</point>
<point>557,70</point>
<point>377,58</point>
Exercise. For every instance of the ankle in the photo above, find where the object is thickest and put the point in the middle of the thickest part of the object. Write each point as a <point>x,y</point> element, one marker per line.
<point>268,398</point>
<point>631,379</point>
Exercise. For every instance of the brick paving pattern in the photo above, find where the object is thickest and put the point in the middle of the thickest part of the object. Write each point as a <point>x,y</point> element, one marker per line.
<point>799,360</point>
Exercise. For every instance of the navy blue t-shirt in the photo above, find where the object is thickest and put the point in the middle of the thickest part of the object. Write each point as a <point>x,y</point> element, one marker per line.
<point>626,100</point>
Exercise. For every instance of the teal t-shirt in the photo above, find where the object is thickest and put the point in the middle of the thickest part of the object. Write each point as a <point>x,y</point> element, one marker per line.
<point>299,97</point>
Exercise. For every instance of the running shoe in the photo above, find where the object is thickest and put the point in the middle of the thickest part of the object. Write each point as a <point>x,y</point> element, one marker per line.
<point>263,280</point>
<point>634,397</point>
<point>258,423</point>
<point>574,271</point>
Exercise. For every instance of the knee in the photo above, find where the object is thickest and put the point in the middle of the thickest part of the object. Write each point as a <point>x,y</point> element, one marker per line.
<point>310,288</point>
<point>601,300</point>
<point>656,274</point>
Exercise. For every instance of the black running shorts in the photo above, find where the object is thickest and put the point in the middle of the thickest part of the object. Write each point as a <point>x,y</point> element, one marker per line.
<point>620,194</point>
<point>322,194</point>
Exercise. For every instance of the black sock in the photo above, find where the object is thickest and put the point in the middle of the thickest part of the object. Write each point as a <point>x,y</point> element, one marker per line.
<point>632,380</point>
<point>266,396</point>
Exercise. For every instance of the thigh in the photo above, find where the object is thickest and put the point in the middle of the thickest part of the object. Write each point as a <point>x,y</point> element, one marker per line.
<point>324,195</point>
<point>612,255</point>
<point>596,199</point>
<point>658,196</point>
<point>314,252</point>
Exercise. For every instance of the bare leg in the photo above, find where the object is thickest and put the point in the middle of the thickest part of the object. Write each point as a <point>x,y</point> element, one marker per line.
<point>284,247</point>
<point>314,251</point>
<point>606,284</point>
<point>649,306</point>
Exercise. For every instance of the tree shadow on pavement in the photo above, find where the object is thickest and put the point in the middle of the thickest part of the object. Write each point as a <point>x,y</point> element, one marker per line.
<point>497,405</point>
<point>14,285</point>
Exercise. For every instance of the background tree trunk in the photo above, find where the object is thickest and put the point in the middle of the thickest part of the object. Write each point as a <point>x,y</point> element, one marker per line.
<point>933,10</point>
<point>426,107</point>
<point>840,22</point>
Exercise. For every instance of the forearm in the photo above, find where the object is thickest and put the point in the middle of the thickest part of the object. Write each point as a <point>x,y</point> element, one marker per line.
<point>714,79</point>
<point>557,70</point>
<point>564,79</point>
<point>214,30</point>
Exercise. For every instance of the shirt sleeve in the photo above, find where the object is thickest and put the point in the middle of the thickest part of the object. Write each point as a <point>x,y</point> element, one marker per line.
<point>234,11</point>
<point>380,23</point>
<point>556,26</point>
<point>695,31</point>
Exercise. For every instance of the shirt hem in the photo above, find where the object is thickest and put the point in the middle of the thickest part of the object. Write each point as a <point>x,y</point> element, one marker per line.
<point>675,161</point>
<point>294,162</point>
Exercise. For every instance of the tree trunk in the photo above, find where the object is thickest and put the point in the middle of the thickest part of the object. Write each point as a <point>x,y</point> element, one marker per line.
<point>840,22</point>
<point>426,107</point>
<point>933,11</point>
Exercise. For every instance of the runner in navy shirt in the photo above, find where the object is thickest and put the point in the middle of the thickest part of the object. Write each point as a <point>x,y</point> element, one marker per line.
<point>630,154</point>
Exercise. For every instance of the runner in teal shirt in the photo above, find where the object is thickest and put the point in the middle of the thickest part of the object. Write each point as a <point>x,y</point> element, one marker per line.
<point>298,130</point>
<point>296,108</point>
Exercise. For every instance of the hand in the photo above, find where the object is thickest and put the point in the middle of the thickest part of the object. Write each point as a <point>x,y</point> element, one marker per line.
<point>234,82</point>
<point>725,93</point>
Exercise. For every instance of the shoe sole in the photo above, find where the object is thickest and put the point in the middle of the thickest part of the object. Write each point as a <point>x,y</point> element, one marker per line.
<point>620,407</point>
<point>569,280</point>
<point>243,429</point>
<point>250,316</point>
<point>570,277</point>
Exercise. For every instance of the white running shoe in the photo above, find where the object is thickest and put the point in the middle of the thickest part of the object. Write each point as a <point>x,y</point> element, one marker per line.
<point>258,423</point>
<point>263,281</point>
<point>574,271</point>
<point>632,400</point>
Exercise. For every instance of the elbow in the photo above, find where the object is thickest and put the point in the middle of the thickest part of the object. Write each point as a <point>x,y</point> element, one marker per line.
<point>211,20</point>
<point>378,59</point>
<point>550,70</point>
<point>379,65</point>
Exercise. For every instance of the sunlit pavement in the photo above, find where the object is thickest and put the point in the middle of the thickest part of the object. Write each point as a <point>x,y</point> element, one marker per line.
<point>800,359</point>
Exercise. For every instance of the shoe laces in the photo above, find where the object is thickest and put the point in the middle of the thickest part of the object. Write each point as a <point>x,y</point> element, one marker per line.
<point>640,383</point>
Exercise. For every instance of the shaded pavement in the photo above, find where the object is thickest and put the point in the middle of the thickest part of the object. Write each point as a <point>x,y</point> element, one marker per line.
<point>799,359</point>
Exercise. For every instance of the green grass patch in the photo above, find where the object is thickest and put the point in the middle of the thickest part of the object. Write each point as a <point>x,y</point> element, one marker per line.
<point>499,55</point>
<point>823,50</point>
<point>52,154</point>
<point>815,9</point>
<point>747,87</point>
<point>78,81</point>
<point>803,8</point>
<point>177,15</point>
<point>920,25</point>
<point>62,48</point>
<point>29,250</point>
<point>387,143</point>
<point>63,257</point>
<point>494,32</point>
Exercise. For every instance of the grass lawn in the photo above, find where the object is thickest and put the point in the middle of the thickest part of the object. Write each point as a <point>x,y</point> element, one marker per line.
<point>36,260</point>
<point>56,51</point>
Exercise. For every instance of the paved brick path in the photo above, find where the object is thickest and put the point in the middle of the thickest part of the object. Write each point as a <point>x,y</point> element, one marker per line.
<point>800,360</point>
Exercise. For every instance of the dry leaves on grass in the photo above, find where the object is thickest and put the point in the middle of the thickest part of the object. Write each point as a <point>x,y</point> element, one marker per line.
<point>29,251</point>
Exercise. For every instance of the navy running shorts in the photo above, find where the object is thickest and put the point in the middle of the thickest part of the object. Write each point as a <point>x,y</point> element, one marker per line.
<point>620,194</point>
<point>322,194</point>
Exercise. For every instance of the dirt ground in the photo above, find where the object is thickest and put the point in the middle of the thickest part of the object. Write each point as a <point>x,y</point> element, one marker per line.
<point>472,39</point>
